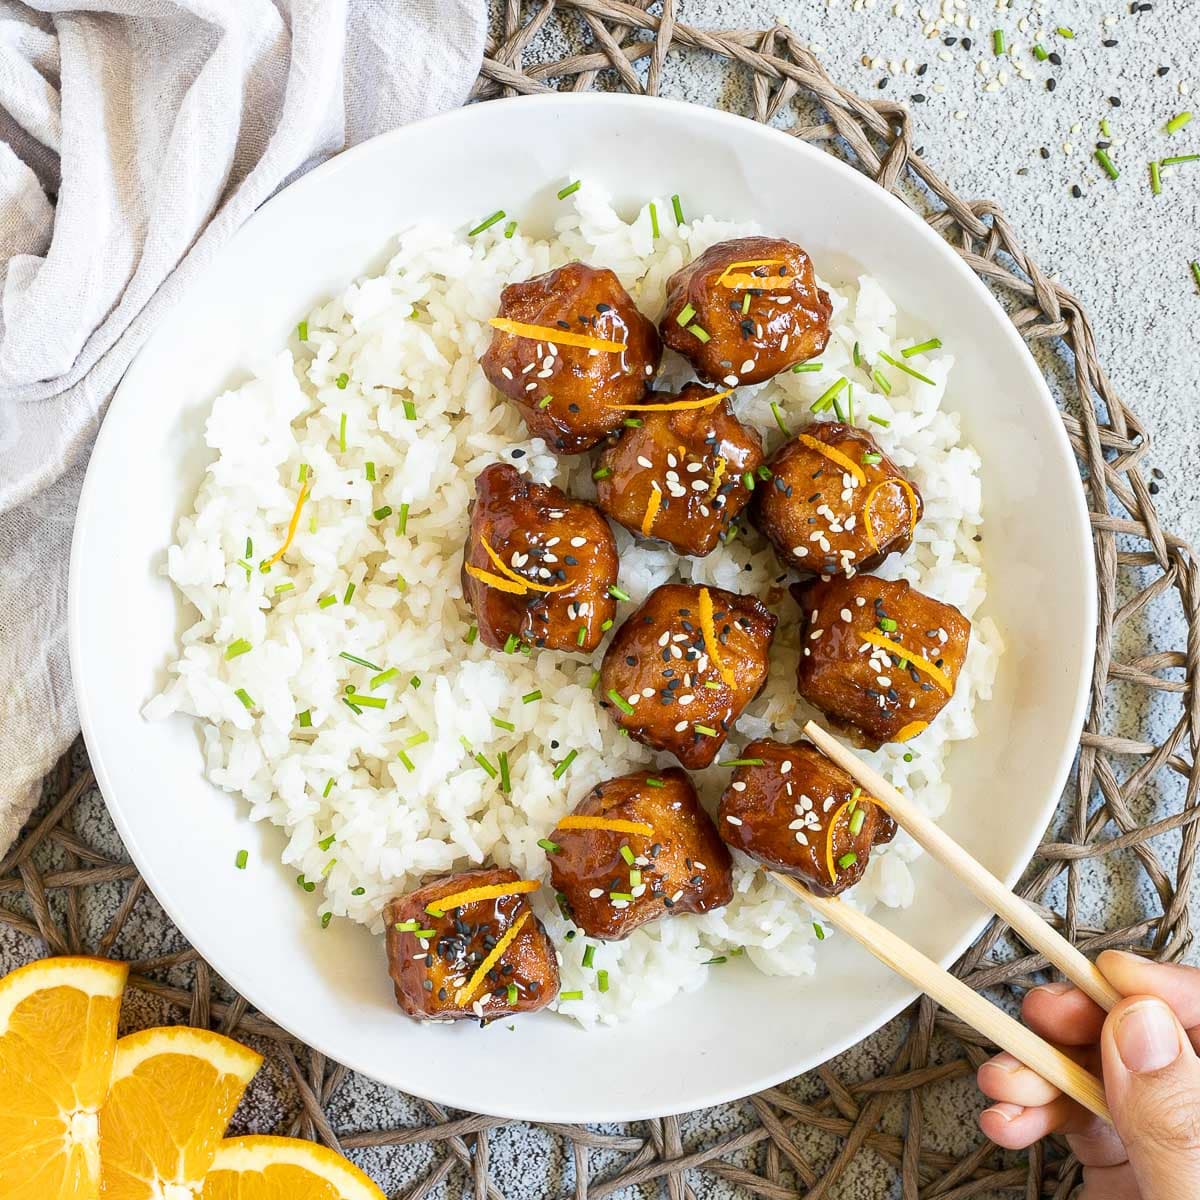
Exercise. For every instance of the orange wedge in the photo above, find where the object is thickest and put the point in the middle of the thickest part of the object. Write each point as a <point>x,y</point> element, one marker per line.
<point>58,1028</point>
<point>272,1168</point>
<point>173,1092</point>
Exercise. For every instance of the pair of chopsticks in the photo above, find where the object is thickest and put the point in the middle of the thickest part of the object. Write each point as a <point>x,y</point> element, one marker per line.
<point>951,993</point>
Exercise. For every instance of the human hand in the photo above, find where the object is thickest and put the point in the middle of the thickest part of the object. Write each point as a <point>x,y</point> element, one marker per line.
<point>1146,1050</point>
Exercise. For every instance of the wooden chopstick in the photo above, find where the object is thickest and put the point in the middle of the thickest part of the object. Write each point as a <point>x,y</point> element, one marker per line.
<point>1080,970</point>
<point>955,996</point>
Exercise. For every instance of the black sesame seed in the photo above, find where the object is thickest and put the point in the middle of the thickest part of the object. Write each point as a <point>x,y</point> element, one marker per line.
<point>1153,488</point>
<point>1161,70</point>
<point>1076,191</point>
<point>1051,84</point>
<point>603,308</point>
<point>1044,152</point>
<point>966,43</point>
<point>1056,58</point>
<point>922,68</point>
<point>518,453</point>
<point>1115,101</point>
<point>950,41</point>
<point>919,98</point>
<point>1109,42</point>
<point>882,84</point>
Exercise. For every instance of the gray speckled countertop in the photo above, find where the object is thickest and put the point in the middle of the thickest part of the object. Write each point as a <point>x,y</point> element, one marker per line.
<point>1124,252</point>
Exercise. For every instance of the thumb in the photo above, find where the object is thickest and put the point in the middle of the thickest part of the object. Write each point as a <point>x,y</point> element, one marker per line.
<point>1152,1080</point>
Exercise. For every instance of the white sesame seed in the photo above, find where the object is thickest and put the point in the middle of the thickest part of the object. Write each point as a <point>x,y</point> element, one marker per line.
<point>734,820</point>
<point>596,893</point>
<point>681,726</point>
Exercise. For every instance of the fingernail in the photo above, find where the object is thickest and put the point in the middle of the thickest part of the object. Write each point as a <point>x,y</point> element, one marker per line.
<point>1057,988</point>
<point>1006,1112</point>
<point>1147,1037</point>
<point>1006,1063</point>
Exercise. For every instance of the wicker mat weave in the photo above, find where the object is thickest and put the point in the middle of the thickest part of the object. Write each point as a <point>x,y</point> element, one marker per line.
<point>807,1138</point>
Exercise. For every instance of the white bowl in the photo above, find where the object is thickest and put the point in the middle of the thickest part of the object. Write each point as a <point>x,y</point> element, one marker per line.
<point>742,1031</point>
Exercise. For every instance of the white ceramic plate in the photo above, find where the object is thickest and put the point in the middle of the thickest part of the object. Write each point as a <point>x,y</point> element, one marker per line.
<point>742,1031</point>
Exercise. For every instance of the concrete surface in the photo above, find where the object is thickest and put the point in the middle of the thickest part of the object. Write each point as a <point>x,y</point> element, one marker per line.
<point>1122,250</point>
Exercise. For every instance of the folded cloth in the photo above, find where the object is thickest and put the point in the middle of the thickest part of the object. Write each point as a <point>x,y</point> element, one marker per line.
<point>135,137</point>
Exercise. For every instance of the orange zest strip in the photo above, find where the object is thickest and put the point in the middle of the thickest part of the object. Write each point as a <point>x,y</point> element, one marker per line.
<point>560,337</point>
<point>749,262</point>
<point>710,637</point>
<point>910,731</point>
<point>763,282</point>
<point>652,507</point>
<point>834,455</point>
<point>922,664</point>
<point>611,824</point>
<point>830,865</point>
<point>675,405</point>
<point>493,891</point>
<point>715,486</point>
<point>495,581</point>
<point>293,524</point>
<point>509,573</point>
<point>912,506</point>
<point>463,996</point>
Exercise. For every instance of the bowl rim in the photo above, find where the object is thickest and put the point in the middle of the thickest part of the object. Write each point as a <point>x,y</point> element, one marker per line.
<point>1058,450</point>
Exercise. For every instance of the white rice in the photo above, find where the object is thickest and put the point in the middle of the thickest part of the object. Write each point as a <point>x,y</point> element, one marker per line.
<point>415,333</point>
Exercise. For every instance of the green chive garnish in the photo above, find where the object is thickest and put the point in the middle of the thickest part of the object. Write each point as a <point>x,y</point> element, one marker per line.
<point>847,860</point>
<point>305,718</point>
<point>881,382</point>
<point>620,702</point>
<point>602,980</point>
<point>368,701</point>
<point>302,474</point>
<point>779,420</point>
<point>280,588</point>
<point>856,356</point>
<point>595,679</point>
<point>243,857</point>
<point>341,382</point>
<point>635,879</point>
<point>800,368</point>
<point>241,562</point>
<point>698,331</point>
<point>627,855</point>
<point>677,208</point>
<point>655,232</point>
<point>589,955</point>
<point>503,724</point>
<point>745,304</point>
<point>302,331</point>
<point>856,821</point>
<point>920,348</point>
<point>632,423</point>
<point>1176,159</point>
<point>1178,122</point>
<point>1063,31</point>
<point>241,646</point>
<point>561,769</point>
<point>819,932</point>
<point>471,635</point>
<point>748,481</point>
<point>714,961</point>
<point>326,601</point>
<point>505,781</point>
<point>370,468</point>
<point>342,433</point>
<point>511,643</point>
<point>326,842</point>
<point>1040,52</point>
<point>997,42</point>
<point>626,896</point>
<point>325,919</point>
<point>414,682</point>
<point>530,697</point>
<point>361,662</point>
<point>545,401</point>
<point>686,313</point>
<point>569,190</point>
<point>742,762</point>
<point>704,729</point>
<point>572,995</point>
<point>511,992</point>
<point>602,473</point>
<point>1107,163</point>
<point>887,624</point>
<point>581,636</point>
<point>406,762</point>
<point>656,783</point>
<point>416,739</point>
<point>870,459</point>
<point>247,702</point>
<point>606,624</point>
<point>410,410</point>
<point>617,594</point>
<point>510,229</point>
<point>348,595</point>
<point>487,766</point>
<point>382,512</point>
<point>328,787</point>
<point>487,222</point>
<point>878,420</point>
<point>359,891</point>
<point>549,846</point>
<point>1196,273</point>
<point>825,399</point>
<point>900,366</point>
<point>1155,179</point>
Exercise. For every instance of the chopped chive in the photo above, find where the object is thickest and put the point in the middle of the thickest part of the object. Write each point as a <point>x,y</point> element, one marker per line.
<point>1065,32</point>
<point>549,846</point>
<point>655,783</point>
<point>878,420</point>
<point>302,331</point>
<point>1178,122</point>
<point>471,635</point>
<point>342,433</point>
<point>626,896</point>
<point>302,473</point>
<point>602,473</point>
<point>632,423</point>
<point>1196,273</point>
<point>244,697</point>
<point>765,473</point>
<point>369,701</point>
<point>628,855</point>
<point>1040,52</point>
<point>779,420</point>
<point>505,781</point>
<point>837,406</point>
<point>503,724</point>
<point>655,232</point>
<point>745,304</point>
<point>402,521</point>
<point>305,718</point>
<point>326,601</point>
<point>800,368</point>
<point>410,410</point>
<point>249,548</point>
<point>407,762</point>
<point>328,787</point>
<point>416,739</point>
<point>545,401</point>
<point>920,348</point>
<point>1155,179</point>
<point>881,382</point>
<point>341,382</point>
<point>487,222</point>
<point>617,594</point>
<point>854,354</point>
<point>748,481</point>
<point>742,762</point>
<point>871,458</point>
<point>243,857</point>
<point>581,636</point>
<point>325,919</point>
<point>698,331</point>
<point>908,756</point>
<point>414,682</point>
<point>348,595</point>
<point>589,955</point>
<point>572,995</point>
<point>241,562</point>
<point>1107,163</point>
<point>305,884</point>
<point>905,368</point>
<point>561,769</point>
<point>361,662</point>
<point>686,313</point>
<point>677,209</point>
<point>326,842</point>
<point>511,643</point>
<point>847,860</point>
<point>312,524</point>
<point>511,993</point>
<point>510,229</point>
<point>1175,159</point>
<point>595,679</point>
<point>887,624</point>
<point>712,685</point>
<point>287,586</point>
<point>602,980</point>
<point>359,891</point>
<point>854,795</point>
<point>487,766</point>
<point>825,399</point>
<point>530,697</point>
<point>370,469</point>
<point>704,729</point>
<point>1105,127</point>
<point>819,932</point>
<point>850,405</point>
<point>382,512</point>
<point>606,624</point>
<point>620,702</point>
<point>241,646</point>
<point>856,821</point>
<point>997,42</point>
<point>716,960</point>
<point>424,933</point>
<point>635,879</point>
<point>569,190</point>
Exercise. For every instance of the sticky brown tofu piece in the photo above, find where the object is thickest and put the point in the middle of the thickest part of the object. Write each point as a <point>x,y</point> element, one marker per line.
<point>824,518</point>
<point>431,974</point>
<point>572,396</point>
<point>651,479</point>
<point>859,684</point>
<point>781,807</point>
<point>785,322</point>
<point>658,679</point>
<point>682,865</point>
<point>549,540</point>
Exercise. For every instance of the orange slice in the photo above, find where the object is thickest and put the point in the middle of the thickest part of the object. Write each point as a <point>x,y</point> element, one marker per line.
<point>173,1092</point>
<point>273,1168</point>
<point>58,1030</point>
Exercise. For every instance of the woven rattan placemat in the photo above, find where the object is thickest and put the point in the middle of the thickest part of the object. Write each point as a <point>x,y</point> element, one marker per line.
<point>68,886</point>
